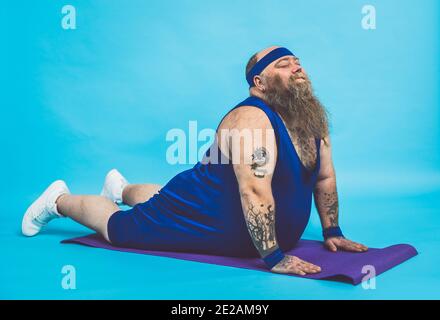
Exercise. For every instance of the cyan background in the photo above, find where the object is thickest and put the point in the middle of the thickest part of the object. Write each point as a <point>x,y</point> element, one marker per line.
<point>76,103</point>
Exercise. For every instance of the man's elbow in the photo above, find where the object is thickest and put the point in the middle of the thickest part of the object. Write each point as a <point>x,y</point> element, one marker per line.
<point>262,193</point>
<point>326,178</point>
<point>325,183</point>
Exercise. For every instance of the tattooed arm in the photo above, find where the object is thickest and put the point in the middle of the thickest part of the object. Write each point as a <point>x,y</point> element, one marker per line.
<point>326,201</point>
<point>253,151</point>
<point>327,204</point>
<point>252,147</point>
<point>325,194</point>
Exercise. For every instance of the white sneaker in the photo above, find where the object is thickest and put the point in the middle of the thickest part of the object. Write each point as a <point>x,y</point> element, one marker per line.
<point>114,184</point>
<point>44,209</point>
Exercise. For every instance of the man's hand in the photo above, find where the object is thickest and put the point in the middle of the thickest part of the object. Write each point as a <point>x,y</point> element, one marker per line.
<point>292,264</point>
<point>335,243</point>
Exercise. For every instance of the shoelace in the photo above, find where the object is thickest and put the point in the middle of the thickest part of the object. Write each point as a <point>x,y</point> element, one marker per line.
<point>37,218</point>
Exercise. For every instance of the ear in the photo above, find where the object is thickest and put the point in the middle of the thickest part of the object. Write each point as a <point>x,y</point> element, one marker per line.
<point>259,83</point>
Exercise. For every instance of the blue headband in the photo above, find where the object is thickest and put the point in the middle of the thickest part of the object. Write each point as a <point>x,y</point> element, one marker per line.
<point>265,61</point>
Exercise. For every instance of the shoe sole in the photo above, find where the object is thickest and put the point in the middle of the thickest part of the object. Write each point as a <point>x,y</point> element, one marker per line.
<point>27,220</point>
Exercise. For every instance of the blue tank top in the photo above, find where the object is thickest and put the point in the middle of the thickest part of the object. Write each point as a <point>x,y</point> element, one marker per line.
<point>200,209</point>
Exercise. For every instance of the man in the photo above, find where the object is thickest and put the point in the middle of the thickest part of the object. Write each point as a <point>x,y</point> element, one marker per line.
<point>258,205</point>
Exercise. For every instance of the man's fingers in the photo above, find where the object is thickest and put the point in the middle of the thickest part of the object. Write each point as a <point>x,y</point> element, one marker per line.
<point>297,266</point>
<point>297,270</point>
<point>363,248</point>
<point>347,246</point>
<point>308,264</point>
<point>309,267</point>
<point>311,270</point>
<point>331,246</point>
<point>315,268</point>
<point>304,267</point>
<point>302,270</point>
<point>359,247</point>
<point>354,246</point>
<point>344,244</point>
<point>351,246</point>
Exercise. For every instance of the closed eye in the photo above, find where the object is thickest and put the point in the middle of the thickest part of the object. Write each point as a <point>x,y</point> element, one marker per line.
<point>286,62</point>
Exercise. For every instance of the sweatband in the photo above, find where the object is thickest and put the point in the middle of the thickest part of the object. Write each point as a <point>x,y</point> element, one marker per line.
<point>332,232</point>
<point>265,61</point>
<point>273,258</point>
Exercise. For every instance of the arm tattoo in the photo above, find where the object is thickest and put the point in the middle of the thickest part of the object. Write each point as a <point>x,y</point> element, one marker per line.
<point>261,226</point>
<point>260,158</point>
<point>330,202</point>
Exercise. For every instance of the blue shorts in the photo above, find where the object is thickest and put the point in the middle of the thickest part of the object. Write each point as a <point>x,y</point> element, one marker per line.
<point>153,225</point>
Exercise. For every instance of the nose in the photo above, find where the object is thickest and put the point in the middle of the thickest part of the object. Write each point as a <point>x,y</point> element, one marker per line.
<point>296,68</point>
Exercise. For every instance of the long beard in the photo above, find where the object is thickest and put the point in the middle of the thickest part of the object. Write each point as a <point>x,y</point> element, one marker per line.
<point>302,112</point>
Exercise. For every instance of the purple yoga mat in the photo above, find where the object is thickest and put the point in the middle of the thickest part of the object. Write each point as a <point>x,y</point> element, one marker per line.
<point>339,266</point>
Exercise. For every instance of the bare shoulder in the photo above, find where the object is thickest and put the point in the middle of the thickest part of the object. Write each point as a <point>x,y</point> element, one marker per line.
<point>246,117</point>
<point>245,130</point>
